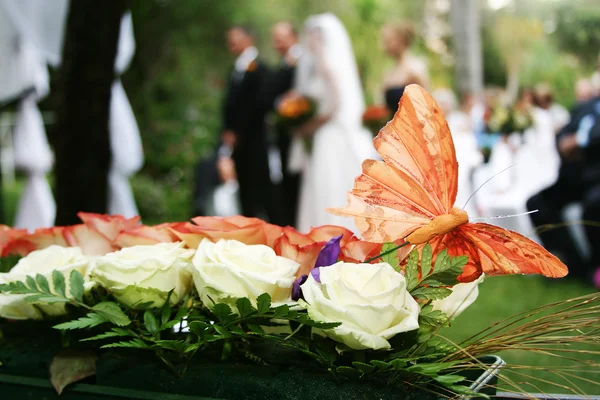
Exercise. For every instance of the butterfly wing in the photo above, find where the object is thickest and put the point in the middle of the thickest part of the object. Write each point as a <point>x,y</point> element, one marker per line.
<point>418,178</point>
<point>500,252</point>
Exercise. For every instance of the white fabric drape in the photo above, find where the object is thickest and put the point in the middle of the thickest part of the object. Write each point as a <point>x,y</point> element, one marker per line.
<point>36,207</point>
<point>31,35</point>
<point>126,144</point>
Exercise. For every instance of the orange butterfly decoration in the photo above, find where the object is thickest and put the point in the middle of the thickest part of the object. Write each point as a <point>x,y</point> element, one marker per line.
<point>411,195</point>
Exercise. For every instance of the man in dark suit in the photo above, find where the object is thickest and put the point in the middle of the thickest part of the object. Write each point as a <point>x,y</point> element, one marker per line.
<point>579,181</point>
<point>244,130</point>
<point>285,42</point>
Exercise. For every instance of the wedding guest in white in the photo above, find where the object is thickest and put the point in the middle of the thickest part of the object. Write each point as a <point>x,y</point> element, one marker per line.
<point>545,100</point>
<point>327,72</point>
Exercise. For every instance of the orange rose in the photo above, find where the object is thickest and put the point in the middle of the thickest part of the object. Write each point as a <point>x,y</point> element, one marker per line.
<point>95,236</point>
<point>245,230</point>
<point>146,235</point>
<point>305,248</point>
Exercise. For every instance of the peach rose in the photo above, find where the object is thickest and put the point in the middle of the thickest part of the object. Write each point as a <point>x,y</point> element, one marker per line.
<point>242,229</point>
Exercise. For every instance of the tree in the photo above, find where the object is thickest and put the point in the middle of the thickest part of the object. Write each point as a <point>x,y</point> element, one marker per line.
<point>81,139</point>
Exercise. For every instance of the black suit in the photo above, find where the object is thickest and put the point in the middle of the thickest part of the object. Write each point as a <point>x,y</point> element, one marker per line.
<point>281,81</point>
<point>578,181</point>
<point>244,111</point>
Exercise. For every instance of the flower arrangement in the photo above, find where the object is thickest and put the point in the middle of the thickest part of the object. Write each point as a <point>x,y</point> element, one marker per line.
<point>375,117</point>
<point>507,120</point>
<point>245,291</point>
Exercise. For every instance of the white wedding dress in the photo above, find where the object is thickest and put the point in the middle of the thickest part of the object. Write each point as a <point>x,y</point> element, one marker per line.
<point>341,144</point>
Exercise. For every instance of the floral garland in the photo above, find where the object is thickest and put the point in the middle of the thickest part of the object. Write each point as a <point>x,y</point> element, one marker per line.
<point>238,280</point>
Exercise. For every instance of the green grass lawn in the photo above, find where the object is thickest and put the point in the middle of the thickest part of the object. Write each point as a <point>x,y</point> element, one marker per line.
<point>504,296</point>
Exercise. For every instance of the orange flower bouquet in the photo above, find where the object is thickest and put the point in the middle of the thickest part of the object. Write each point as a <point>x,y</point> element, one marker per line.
<point>375,117</point>
<point>294,110</point>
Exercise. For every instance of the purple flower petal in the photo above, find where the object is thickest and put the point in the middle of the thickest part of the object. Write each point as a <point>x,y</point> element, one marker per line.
<point>296,289</point>
<point>328,256</point>
<point>330,253</point>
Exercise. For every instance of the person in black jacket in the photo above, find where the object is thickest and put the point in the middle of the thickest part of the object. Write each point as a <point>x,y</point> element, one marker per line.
<point>579,181</point>
<point>244,128</point>
<point>285,42</point>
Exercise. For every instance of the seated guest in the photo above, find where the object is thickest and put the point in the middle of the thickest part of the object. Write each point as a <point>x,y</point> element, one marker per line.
<point>579,181</point>
<point>584,90</point>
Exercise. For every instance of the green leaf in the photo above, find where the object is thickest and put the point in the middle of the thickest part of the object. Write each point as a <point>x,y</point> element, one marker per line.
<point>150,322</point>
<point>223,312</point>
<point>91,320</point>
<point>446,270</point>
<point>76,285</point>
<point>112,312</point>
<point>45,298</point>
<point>391,258</point>
<point>222,331</point>
<point>263,303</point>
<point>31,283</point>
<point>281,311</point>
<point>133,344</point>
<point>142,305</point>
<point>426,256</point>
<point>429,316</point>
<point>347,371</point>
<point>174,345</point>
<point>432,283</point>
<point>8,262</point>
<point>363,368</point>
<point>168,325</point>
<point>304,319</point>
<point>411,272</point>
<point>165,314</point>
<point>430,293</point>
<point>114,332</point>
<point>58,281</point>
<point>441,262</point>
<point>431,369</point>
<point>399,363</point>
<point>449,379</point>
<point>181,312</point>
<point>382,365</point>
<point>71,366</point>
<point>256,329</point>
<point>42,283</point>
<point>199,328</point>
<point>244,307</point>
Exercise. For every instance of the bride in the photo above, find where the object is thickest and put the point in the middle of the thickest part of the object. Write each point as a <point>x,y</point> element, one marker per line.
<point>328,74</point>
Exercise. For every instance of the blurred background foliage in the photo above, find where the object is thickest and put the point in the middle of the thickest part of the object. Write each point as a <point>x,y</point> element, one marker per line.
<point>181,64</point>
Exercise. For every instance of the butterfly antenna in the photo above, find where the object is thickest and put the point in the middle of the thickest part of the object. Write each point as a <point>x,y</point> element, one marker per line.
<point>505,216</point>
<point>484,183</point>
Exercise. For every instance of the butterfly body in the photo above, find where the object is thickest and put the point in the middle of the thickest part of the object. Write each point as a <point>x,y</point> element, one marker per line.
<point>410,196</point>
<point>440,225</point>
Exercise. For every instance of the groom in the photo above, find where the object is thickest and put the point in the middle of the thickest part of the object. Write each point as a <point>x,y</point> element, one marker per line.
<point>285,41</point>
<point>244,130</point>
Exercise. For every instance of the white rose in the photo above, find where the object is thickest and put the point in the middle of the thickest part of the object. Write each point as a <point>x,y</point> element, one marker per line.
<point>463,295</point>
<point>44,262</point>
<point>142,274</point>
<point>370,300</point>
<point>228,270</point>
